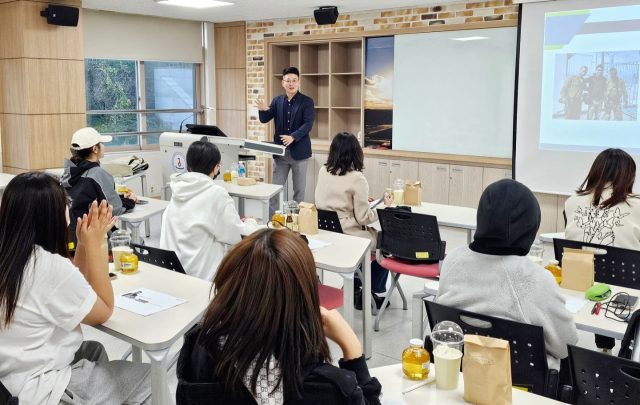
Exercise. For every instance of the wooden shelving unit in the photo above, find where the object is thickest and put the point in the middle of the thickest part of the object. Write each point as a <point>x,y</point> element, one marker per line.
<point>331,74</point>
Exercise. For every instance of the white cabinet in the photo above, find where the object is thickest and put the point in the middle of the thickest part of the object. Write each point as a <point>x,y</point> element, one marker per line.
<point>376,171</point>
<point>403,170</point>
<point>465,186</point>
<point>435,182</point>
<point>491,175</point>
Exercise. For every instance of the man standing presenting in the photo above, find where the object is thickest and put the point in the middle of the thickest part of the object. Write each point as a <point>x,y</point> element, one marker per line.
<point>571,94</point>
<point>294,114</point>
<point>616,89</point>
<point>597,85</point>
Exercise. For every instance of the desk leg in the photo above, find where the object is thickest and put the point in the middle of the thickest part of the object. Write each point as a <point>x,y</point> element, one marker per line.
<point>347,291</point>
<point>159,381</point>
<point>417,316</point>
<point>241,206</point>
<point>135,232</point>
<point>147,227</point>
<point>136,354</point>
<point>635,356</point>
<point>281,195</point>
<point>469,239</point>
<point>265,211</point>
<point>366,305</point>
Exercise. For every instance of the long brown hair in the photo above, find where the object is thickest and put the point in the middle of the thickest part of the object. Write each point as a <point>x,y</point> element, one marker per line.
<point>613,168</point>
<point>32,213</point>
<point>266,304</point>
<point>345,155</point>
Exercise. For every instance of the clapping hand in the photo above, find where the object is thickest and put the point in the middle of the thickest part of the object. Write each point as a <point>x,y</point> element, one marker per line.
<point>260,105</point>
<point>91,228</point>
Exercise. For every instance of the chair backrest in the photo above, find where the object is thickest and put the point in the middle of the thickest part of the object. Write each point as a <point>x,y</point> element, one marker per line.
<point>329,221</point>
<point>166,259</point>
<point>599,378</point>
<point>6,398</point>
<point>410,236</point>
<point>528,352</point>
<point>613,265</point>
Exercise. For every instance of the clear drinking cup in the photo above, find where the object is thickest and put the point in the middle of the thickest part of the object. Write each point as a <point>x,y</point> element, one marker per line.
<point>448,342</point>
<point>120,241</point>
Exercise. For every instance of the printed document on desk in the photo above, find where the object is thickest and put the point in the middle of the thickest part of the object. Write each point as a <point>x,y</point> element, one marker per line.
<point>143,301</point>
<point>317,244</point>
<point>574,304</point>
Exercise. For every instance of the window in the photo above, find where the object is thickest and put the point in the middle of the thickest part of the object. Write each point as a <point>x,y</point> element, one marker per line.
<point>122,95</point>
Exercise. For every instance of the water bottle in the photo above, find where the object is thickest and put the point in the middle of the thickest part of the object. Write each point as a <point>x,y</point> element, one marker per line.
<point>241,172</point>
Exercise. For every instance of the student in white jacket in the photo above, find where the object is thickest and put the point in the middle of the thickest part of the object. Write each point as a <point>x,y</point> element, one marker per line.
<point>201,216</point>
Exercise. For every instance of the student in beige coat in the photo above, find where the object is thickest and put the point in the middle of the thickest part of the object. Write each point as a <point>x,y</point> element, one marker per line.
<point>343,188</point>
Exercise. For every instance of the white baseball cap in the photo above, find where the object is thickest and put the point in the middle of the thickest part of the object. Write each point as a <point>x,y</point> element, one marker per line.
<point>86,138</point>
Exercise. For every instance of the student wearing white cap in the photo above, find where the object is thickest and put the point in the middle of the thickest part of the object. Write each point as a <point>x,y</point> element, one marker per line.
<point>86,181</point>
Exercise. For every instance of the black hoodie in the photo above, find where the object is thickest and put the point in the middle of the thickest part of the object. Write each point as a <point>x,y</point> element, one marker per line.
<point>508,220</point>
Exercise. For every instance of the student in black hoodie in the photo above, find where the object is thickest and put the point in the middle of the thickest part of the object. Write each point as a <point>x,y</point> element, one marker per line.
<point>84,179</point>
<point>263,338</point>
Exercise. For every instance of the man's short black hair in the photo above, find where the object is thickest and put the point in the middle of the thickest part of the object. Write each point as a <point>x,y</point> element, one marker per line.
<point>203,157</point>
<point>291,70</point>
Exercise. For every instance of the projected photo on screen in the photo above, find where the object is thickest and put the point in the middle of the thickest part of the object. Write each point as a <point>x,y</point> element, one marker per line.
<point>591,67</point>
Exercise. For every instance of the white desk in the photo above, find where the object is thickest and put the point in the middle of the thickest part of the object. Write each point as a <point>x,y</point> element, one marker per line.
<point>597,324</point>
<point>343,257</point>
<point>5,178</point>
<point>142,213</point>
<point>448,215</point>
<point>261,192</point>
<point>140,175</point>
<point>393,382</point>
<point>155,334</point>
<point>549,237</point>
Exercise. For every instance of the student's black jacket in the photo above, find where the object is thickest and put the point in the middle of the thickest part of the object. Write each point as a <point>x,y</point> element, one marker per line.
<point>324,383</point>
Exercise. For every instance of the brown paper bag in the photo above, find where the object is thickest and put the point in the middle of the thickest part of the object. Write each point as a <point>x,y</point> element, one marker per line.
<point>577,269</point>
<point>308,219</point>
<point>486,368</point>
<point>412,193</point>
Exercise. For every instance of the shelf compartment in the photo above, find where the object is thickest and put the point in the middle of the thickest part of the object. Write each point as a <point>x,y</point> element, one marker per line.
<point>345,120</point>
<point>284,56</point>
<point>320,130</point>
<point>314,58</point>
<point>316,87</point>
<point>346,91</point>
<point>346,57</point>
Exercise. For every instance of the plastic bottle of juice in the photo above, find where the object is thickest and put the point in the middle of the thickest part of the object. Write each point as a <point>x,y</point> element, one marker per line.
<point>555,269</point>
<point>278,220</point>
<point>128,262</point>
<point>415,361</point>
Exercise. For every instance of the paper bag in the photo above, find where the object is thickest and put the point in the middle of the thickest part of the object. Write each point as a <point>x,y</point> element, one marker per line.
<point>577,269</point>
<point>308,219</point>
<point>486,368</point>
<point>412,193</point>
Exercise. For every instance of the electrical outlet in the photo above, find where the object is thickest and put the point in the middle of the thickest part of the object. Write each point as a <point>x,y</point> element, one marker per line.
<point>154,191</point>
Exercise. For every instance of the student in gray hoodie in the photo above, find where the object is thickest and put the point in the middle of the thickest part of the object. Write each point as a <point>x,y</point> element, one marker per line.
<point>492,276</point>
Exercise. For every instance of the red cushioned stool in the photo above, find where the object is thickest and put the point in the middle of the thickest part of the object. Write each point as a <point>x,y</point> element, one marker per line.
<point>413,242</point>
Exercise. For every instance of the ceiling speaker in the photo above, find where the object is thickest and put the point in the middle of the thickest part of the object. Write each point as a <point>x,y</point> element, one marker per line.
<point>61,15</point>
<point>326,15</point>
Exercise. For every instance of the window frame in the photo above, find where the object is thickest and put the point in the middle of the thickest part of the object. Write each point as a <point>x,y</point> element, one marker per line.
<point>141,112</point>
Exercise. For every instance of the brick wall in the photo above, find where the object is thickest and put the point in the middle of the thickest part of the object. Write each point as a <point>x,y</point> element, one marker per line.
<point>462,13</point>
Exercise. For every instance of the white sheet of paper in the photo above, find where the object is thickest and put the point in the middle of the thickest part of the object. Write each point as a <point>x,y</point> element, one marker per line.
<point>145,302</point>
<point>574,304</point>
<point>385,401</point>
<point>317,244</point>
<point>375,203</point>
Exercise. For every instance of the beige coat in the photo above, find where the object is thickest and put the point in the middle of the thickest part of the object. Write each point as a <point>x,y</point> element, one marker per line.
<point>348,196</point>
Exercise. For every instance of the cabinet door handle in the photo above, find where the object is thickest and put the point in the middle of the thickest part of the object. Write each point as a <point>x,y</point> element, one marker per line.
<point>382,163</point>
<point>456,170</point>
<point>441,169</point>
<point>395,164</point>
<point>508,175</point>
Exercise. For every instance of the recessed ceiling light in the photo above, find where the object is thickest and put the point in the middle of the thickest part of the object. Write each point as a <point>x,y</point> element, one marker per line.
<point>469,38</point>
<point>195,3</point>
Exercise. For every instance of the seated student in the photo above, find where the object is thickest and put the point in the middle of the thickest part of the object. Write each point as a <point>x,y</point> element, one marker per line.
<point>343,188</point>
<point>44,298</point>
<point>201,216</point>
<point>263,338</point>
<point>86,181</point>
<point>492,276</point>
<point>604,209</point>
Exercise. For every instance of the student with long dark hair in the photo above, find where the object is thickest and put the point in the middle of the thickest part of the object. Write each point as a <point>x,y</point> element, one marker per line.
<point>44,298</point>
<point>263,338</point>
<point>343,188</point>
<point>86,181</point>
<point>201,217</point>
<point>605,210</point>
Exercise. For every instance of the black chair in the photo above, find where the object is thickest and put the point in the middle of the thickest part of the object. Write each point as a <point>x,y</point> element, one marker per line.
<point>613,265</point>
<point>529,366</point>
<point>166,259</point>
<point>413,241</point>
<point>329,221</point>
<point>599,378</point>
<point>6,398</point>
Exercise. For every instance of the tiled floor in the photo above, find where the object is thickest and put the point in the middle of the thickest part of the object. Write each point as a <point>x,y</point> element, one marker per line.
<point>388,343</point>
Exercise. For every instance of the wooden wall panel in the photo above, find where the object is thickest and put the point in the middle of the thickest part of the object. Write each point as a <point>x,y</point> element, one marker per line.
<point>13,170</point>
<point>15,140</point>
<point>230,89</point>
<point>549,210</point>
<point>232,122</point>
<point>230,43</point>
<point>25,35</point>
